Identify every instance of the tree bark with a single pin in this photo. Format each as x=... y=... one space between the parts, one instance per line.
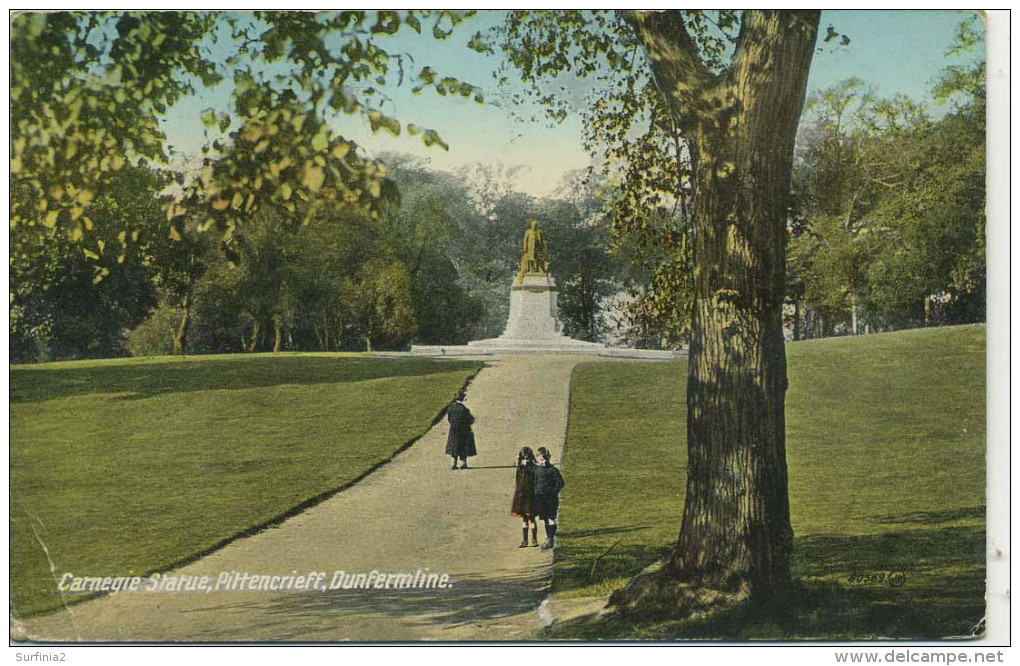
x=735 y=538
x=796 y=319
x=853 y=312
x=181 y=334
x=276 y=335
x=318 y=334
x=254 y=336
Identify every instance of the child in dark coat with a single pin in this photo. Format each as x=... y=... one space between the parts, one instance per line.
x=524 y=496
x=548 y=484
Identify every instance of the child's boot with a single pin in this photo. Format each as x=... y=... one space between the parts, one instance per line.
x=524 y=538
x=550 y=542
x=534 y=536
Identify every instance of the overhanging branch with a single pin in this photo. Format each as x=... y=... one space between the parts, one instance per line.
x=679 y=72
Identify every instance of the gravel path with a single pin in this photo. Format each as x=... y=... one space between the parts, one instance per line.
x=411 y=514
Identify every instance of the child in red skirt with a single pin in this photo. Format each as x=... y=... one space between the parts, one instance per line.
x=524 y=496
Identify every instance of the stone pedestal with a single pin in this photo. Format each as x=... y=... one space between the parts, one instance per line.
x=533 y=325
x=533 y=309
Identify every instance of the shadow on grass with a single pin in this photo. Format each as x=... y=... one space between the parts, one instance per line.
x=910 y=583
x=468 y=600
x=145 y=380
x=580 y=562
x=933 y=517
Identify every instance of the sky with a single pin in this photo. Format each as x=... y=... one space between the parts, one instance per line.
x=894 y=51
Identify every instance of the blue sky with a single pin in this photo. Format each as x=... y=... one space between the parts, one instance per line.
x=895 y=51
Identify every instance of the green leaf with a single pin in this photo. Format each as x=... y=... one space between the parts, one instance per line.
x=431 y=138
x=477 y=43
x=313 y=179
x=341 y=149
x=209 y=118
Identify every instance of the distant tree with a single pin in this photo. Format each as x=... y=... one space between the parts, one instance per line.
x=327 y=253
x=932 y=257
x=381 y=303
x=488 y=250
x=68 y=301
x=179 y=258
x=839 y=175
x=427 y=230
x=587 y=275
x=890 y=224
x=266 y=246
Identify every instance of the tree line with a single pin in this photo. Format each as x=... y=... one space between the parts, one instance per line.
x=886 y=232
x=434 y=267
x=345 y=251
x=889 y=225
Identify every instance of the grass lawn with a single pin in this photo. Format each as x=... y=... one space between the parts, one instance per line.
x=886 y=455
x=128 y=466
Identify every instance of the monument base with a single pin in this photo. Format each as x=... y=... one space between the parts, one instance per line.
x=534 y=328
x=533 y=325
x=505 y=347
x=533 y=309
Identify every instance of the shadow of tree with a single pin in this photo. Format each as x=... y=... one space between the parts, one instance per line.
x=148 y=379
x=602 y=531
x=921 y=582
x=933 y=517
x=581 y=563
x=503 y=594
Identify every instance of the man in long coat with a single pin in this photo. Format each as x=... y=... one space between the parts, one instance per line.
x=460 y=443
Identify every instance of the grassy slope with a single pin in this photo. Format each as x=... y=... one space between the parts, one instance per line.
x=129 y=466
x=886 y=454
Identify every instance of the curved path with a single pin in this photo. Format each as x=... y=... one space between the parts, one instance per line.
x=411 y=514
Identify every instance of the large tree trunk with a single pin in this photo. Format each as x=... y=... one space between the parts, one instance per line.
x=735 y=538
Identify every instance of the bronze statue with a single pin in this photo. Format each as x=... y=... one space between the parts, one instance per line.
x=534 y=259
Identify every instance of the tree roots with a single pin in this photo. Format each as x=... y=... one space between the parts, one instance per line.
x=658 y=592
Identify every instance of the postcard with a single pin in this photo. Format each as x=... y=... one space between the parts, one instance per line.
x=497 y=326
